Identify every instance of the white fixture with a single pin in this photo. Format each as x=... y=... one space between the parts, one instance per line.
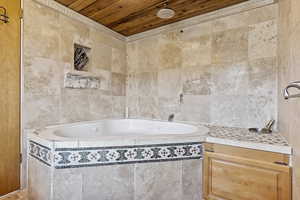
x=165 y=13
x=122 y=129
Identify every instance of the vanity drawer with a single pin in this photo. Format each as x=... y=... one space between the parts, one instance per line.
x=258 y=155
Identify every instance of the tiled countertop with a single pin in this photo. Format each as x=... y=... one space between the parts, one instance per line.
x=241 y=137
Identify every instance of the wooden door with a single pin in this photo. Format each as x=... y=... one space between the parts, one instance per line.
x=232 y=177
x=10 y=98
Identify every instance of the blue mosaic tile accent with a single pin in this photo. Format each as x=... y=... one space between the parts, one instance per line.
x=40 y=152
x=97 y=156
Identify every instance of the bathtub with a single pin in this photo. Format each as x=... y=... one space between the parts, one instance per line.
x=124 y=128
x=116 y=159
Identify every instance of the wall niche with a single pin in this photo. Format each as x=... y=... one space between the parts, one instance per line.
x=81 y=57
x=80 y=77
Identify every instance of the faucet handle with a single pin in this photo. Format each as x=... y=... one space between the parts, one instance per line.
x=268 y=127
x=270 y=124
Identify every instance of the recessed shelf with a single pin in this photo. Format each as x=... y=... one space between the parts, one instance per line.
x=77 y=81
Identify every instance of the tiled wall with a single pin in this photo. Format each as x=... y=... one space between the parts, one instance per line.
x=169 y=169
x=49 y=38
x=175 y=180
x=226 y=70
x=289 y=70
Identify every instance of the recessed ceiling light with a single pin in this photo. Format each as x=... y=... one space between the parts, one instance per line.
x=165 y=13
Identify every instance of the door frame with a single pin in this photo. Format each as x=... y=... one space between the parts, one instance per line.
x=23 y=143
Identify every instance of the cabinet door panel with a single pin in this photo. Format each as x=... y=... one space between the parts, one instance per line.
x=229 y=177
x=237 y=181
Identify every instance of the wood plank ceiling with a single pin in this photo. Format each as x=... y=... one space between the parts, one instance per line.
x=129 y=17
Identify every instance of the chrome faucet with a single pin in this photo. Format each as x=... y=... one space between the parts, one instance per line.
x=286 y=93
x=171 y=117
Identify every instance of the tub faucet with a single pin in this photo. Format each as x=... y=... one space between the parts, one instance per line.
x=171 y=117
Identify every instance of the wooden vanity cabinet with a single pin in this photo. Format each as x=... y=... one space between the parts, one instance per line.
x=233 y=173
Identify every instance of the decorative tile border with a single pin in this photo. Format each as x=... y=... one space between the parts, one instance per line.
x=97 y=156
x=40 y=152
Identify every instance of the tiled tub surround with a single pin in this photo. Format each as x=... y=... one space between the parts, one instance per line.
x=225 y=68
x=174 y=180
x=61 y=158
x=156 y=167
x=49 y=98
x=143 y=168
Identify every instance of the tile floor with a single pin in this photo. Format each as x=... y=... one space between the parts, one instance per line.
x=22 y=195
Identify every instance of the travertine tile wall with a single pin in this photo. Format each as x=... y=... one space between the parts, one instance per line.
x=174 y=180
x=289 y=70
x=226 y=70
x=40 y=175
x=49 y=37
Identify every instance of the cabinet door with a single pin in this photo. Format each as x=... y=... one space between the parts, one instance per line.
x=235 y=178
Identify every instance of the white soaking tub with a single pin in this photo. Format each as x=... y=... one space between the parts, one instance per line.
x=101 y=152
x=124 y=128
